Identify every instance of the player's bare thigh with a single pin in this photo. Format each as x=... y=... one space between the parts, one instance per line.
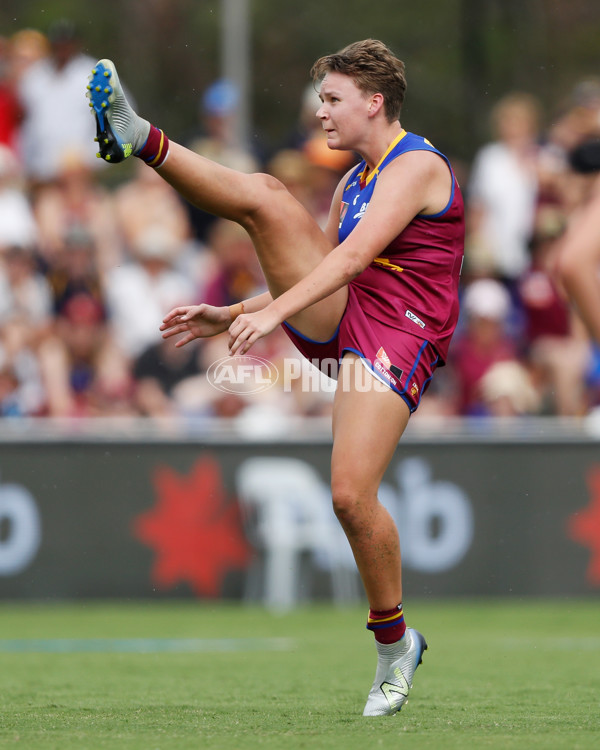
x=368 y=422
x=290 y=244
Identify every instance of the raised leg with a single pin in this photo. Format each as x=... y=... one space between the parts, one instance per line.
x=288 y=241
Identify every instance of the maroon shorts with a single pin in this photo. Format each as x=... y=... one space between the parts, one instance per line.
x=403 y=362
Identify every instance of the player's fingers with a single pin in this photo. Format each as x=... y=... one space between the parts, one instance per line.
x=193 y=312
x=175 y=313
x=185 y=340
x=236 y=341
x=244 y=341
x=246 y=346
x=173 y=329
x=168 y=325
x=236 y=327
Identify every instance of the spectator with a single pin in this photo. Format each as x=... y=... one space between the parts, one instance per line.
x=236 y=272
x=84 y=373
x=17 y=222
x=158 y=372
x=56 y=118
x=27 y=46
x=502 y=191
x=218 y=141
x=23 y=290
x=293 y=168
x=9 y=384
x=145 y=200
x=141 y=292
x=75 y=204
x=17 y=54
x=482 y=342
x=75 y=270
x=507 y=390
x=21 y=390
x=307 y=123
x=10 y=109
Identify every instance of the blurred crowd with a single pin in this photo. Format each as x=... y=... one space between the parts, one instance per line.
x=90 y=265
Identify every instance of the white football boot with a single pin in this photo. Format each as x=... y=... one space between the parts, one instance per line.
x=396 y=665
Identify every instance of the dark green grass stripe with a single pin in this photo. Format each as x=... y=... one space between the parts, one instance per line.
x=143 y=645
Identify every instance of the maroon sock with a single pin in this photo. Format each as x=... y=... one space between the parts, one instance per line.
x=156 y=149
x=387 y=625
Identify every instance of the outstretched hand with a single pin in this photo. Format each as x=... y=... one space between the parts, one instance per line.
x=196 y=321
x=249 y=327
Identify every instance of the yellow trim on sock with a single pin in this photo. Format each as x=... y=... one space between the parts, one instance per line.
x=396 y=616
x=160 y=148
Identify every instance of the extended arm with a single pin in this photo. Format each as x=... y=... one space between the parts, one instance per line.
x=203 y=321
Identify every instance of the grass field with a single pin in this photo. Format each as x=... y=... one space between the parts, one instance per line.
x=498 y=674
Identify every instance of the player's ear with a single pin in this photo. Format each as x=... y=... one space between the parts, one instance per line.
x=375 y=104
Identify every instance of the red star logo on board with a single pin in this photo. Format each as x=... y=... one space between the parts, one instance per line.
x=584 y=527
x=195 y=531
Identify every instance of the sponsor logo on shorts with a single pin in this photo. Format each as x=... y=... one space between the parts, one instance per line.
x=383 y=357
x=414 y=389
x=397 y=371
x=411 y=316
x=381 y=369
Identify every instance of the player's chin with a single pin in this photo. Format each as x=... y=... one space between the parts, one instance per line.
x=334 y=144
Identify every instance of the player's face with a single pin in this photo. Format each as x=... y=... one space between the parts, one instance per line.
x=343 y=112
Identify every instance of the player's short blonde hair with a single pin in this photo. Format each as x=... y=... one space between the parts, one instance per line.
x=374 y=69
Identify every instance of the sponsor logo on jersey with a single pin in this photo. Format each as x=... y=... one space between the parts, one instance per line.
x=411 y=316
x=385 y=263
x=361 y=211
x=343 y=212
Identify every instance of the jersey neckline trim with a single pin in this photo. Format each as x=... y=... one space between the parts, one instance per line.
x=372 y=174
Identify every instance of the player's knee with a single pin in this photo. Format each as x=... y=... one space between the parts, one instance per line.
x=266 y=189
x=270 y=183
x=266 y=195
x=349 y=504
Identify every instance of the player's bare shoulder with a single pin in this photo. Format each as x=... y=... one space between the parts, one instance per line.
x=424 y=172
x=419 y=178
